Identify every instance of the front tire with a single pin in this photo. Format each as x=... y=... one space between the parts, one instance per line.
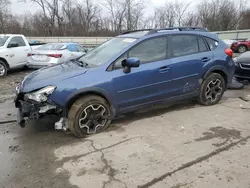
x=212 y=89
x=3 y=69
x=89 y=115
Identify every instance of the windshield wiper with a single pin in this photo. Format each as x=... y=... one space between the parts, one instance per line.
x=81 y=63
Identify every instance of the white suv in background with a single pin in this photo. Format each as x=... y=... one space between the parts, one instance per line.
x=13 y=52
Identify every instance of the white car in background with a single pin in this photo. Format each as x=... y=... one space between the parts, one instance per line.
x=54 y=53
x=13 y=52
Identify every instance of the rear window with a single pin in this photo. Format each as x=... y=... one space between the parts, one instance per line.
x=213 y=44
x=51 y=47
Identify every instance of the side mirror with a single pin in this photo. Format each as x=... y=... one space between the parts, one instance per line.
x=129 y=63
x=12 y=45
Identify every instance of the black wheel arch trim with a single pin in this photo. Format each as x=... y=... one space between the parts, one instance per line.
x=5 y=61
x=88 y=91
x=217 y=68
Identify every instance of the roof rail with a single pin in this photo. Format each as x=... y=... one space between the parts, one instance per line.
x=151 y=31
x=133 y=31
x=179 y=29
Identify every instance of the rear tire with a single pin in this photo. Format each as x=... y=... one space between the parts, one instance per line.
x=242 y=49
x=3 y=69
x=89 y=115
x=212 y=89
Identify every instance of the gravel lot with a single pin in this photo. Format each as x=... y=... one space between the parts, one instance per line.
x=183 y=146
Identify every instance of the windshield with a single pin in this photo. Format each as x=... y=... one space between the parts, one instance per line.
x=3 y=39
x=51 y=47
x=106 y=51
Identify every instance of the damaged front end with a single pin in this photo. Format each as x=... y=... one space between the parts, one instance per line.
x=35 y=105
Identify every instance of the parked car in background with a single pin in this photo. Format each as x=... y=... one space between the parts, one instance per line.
x=54 y=53
x=35 y=43
x=241 y=46
x=136 y=70
x=242 y=62
x=13 y=52
x=229 y=42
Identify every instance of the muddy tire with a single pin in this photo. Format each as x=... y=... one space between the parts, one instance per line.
x=3 y=69
x=212 y=90
x=89 y=115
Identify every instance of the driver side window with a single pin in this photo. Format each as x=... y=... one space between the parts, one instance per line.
x=148 y=51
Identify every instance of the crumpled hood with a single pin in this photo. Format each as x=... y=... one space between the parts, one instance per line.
x=51 y=76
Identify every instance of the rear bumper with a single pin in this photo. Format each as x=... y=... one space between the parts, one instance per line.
x=41 y=64
x=36 y=66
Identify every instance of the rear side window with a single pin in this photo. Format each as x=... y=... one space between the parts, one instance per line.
x=213 y=44
x=151 y=50
x=18 y=40
x=184 y=45
x=72 y=48
x=202 y=45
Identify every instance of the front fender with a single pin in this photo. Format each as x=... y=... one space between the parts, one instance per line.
x=93 y=90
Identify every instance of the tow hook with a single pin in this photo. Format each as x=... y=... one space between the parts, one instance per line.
x=62 y=124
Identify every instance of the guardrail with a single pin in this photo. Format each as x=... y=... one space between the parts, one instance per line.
x=234 y=35
x=94 y=41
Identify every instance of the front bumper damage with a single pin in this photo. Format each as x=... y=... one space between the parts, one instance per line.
x=32 y=110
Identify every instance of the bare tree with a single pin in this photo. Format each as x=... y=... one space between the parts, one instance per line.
x=117 y=11
x=191 y=19
x=245 y=23
x=221 y=14
x=180 y=9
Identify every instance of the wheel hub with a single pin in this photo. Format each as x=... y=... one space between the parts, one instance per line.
x=2 y=70
x=214 y=90
x=93 y=118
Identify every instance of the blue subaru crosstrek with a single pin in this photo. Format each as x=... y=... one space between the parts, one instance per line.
x=138 y=69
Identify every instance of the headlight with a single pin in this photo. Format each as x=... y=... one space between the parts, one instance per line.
x=40 y=95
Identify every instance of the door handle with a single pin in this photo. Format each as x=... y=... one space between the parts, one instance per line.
x=164 y=69
x=205 y=59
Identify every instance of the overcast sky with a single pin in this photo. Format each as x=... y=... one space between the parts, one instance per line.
x=19 y=8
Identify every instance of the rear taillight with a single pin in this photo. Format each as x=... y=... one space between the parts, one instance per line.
x=29 y=54
x=229 y=52
x=55 y=55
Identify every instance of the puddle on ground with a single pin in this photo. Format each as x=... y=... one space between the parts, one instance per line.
x=220 y=133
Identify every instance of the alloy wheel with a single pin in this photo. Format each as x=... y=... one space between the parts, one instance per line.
x=214 y=90
x=2 y=70
x=242 y=49
x=92 y=118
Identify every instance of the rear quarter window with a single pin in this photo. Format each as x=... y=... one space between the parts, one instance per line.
x=213 y=44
